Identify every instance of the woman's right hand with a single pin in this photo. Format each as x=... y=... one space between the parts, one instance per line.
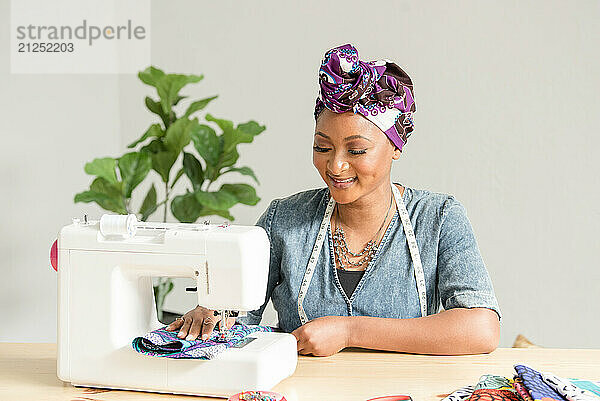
x=197 y=321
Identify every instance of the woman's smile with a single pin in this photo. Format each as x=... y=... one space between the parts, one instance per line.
x=341 y=183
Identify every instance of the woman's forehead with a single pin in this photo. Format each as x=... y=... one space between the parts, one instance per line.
x=341 y=125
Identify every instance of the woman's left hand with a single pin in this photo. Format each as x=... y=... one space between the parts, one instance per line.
x=323 y=336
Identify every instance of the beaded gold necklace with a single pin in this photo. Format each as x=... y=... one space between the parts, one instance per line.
x=340 y=246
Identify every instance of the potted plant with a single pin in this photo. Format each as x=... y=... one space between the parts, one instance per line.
x=160 y=147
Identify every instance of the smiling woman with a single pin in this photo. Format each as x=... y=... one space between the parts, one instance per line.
x=365 y=262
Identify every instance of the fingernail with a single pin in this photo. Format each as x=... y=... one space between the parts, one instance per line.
x=190 y=337
x=204 y=336
x=180 y=335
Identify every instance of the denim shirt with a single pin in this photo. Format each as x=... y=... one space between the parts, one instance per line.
x=455 y=274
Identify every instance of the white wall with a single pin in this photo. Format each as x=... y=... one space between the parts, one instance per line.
x=50 y=126
x=507 y=98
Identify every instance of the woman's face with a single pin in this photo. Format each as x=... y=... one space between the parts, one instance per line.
x=352 y=155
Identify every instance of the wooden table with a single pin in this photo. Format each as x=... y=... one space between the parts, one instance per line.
x=28 y=372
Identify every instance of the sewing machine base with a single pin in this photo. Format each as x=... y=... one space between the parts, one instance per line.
x=259 y=365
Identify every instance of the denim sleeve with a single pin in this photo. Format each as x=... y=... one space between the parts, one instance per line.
x=463 y=280
x=266 y=221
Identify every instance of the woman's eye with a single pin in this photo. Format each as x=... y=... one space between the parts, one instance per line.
x=358 y=152
x=320 y=149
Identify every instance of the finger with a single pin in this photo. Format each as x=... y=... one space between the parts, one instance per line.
x=185 y=328
x=195 y=330
x=208 y=324
x=175 y=324
x=230 y=322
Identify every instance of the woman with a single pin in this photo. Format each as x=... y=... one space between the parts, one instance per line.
x=363 y=262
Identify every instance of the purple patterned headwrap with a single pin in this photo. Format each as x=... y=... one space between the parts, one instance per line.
x=379 y=90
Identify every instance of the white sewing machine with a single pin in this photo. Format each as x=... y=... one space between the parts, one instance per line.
x=105 y=300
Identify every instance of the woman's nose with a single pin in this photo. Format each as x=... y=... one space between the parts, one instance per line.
x=337 y=165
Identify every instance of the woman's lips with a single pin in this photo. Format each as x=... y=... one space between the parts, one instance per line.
x=341 y=184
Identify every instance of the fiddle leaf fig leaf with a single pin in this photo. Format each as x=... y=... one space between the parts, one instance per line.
x=198 y=105
x=207 y=144
x=244 y=193
x=134 y=167
x=149 y=205
x=244 y=171
x=251 y=127
x=225 y=125
x=162 y=158
x=153 y=131
x=211 y=212
x=104 y=167
x=168 y=87
x=151 y=76
x=186 y=208
x=106 y=194
x=228 y=158
x=220 y=200
x=156 y=108
x=179 y=134
x=178 y=99
x=177 y=177
x=193 y=169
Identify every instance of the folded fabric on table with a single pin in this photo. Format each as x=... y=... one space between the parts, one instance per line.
x=535 y=384
x=567 y=389
x=163 y=343
x=593 y=387
x=521 y=390
x=492 y=387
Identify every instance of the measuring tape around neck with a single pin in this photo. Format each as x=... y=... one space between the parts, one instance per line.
x=412 y=246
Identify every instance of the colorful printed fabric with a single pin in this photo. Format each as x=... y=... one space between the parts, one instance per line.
x=492 y=387
x=521 y=390
x=163 y=343
x=535 y=384
x=379 y=90
x=567 y=389
x=462 y=393
x=593 y=387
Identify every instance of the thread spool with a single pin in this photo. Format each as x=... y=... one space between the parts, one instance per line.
x=118 y=224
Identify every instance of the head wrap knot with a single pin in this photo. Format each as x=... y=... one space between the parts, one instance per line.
x=379 y=90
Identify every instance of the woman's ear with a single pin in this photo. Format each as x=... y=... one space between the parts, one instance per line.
x=396 y=154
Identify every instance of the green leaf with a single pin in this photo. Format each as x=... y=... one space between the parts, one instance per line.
x=177 y=177
x=198 y=105
x=154 y=130
x=220 y=200
x=210 y=212
x=179 y=134
x=151 y=76
x=228 y=158
x=186 y=208
x=149 y=205
x=243 y=170
x=251 y=127
x=105 y=194
x=207 y=144
x=193 y=169
x=244 y=193
x=162 y=163
x=156 y=108
x=168 y=88
x=134 y=167
x=104 y=168
x=225 y=125
x=162 y=158
x=178 y=99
